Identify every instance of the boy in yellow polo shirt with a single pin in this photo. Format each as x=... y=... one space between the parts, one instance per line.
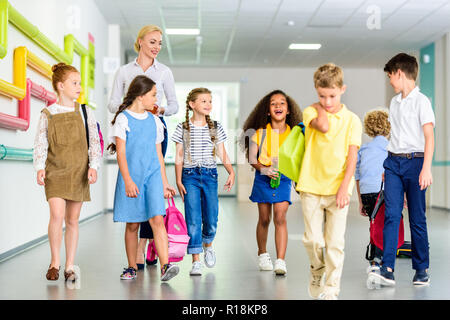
x=332 y=138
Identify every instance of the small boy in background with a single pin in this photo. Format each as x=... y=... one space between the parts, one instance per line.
x=407 y=168
x=332 y=138
x=369 y=168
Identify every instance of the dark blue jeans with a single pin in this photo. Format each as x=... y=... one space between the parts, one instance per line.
x=402 y=176
x=201 y=206
x=145 y=230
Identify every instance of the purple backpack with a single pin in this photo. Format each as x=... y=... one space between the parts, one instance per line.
x=176 y=233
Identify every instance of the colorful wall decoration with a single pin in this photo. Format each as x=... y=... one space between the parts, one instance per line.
x=23 y=58
x=22 y=88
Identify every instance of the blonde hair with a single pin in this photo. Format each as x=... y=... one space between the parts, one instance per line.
x=192 y=96
x=146 y=29
x=328 y=76
x=376 y=123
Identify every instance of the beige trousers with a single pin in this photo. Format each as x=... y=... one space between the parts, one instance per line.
x=324 y=237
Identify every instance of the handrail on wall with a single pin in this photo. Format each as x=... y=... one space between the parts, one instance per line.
x=10 y=153
x=22 y=121
x=22 y=58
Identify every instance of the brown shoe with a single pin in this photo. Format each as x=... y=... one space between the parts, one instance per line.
x=70 y=275
x=53 y=273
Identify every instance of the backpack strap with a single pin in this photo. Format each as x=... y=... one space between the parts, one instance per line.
x=47 y=113
x=261 y=143
x=173 y=202
x=83 y=108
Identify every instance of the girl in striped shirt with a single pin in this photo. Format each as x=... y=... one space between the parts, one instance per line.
x=198 y=140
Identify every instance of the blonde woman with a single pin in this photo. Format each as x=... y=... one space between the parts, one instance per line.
x=148 y=44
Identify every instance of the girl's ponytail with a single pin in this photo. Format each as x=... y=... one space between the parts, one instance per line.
x=138 y=87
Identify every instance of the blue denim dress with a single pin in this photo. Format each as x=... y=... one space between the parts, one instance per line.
x=145 y=171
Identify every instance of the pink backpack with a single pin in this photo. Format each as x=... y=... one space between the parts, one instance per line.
x=176 y=233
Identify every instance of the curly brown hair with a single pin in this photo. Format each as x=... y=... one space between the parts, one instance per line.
x=258 y=118
x=376 y=123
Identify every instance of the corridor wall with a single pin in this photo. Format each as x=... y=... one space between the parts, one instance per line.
x=440 y=190
x=24 y=211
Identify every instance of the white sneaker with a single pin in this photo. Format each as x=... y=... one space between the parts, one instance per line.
x=210 y=256
x=280 y=267
x=264 y=262
x=196 y=269
x=316 y=283
x=373 y=268
x=327 y=296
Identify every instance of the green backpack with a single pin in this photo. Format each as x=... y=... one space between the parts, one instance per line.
x=291 y=153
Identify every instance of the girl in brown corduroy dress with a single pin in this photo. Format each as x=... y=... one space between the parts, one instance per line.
x=65 y=165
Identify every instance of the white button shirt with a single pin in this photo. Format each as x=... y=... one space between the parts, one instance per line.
x=407 y=117
x=158 y=72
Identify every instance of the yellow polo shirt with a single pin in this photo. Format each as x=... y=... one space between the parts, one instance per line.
x=325 y=158
x=271 y=144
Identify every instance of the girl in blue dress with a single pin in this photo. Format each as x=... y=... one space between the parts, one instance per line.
x=141 y=181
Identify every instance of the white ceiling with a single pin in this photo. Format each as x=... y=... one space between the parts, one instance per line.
x=255 y=33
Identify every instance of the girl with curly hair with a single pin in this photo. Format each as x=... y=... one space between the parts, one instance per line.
x=369 y=168
x=267 y=126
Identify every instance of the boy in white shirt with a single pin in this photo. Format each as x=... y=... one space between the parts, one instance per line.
x=407 y=168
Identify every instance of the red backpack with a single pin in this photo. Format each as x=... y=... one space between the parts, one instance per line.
x=377 y=226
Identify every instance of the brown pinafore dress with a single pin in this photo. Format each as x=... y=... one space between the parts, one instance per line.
x=66 y=168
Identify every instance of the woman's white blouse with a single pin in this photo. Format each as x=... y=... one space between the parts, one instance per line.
x=41 y=139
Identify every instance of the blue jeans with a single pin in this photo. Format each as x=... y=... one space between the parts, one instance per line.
x=201 y=206
x=402 y=175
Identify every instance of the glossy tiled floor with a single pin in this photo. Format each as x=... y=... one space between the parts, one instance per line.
x=101 y=257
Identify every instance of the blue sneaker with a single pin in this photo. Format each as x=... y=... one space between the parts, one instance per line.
x=383 y=277
x=421 y=278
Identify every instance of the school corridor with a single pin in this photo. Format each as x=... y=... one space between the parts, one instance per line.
x=233 y=54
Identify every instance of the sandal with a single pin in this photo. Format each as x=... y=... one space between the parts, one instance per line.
x=70 y=275
x=53 y=273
